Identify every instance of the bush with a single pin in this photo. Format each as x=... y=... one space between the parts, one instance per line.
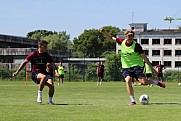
x=172 y=75
x=7 y=74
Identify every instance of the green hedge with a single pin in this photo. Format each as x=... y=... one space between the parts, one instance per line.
x=6 y=74
x=88 y=75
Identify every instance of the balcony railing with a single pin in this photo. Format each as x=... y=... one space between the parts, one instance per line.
x=26 y=51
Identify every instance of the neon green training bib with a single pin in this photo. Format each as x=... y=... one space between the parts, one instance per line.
x=130 y=58
x=61 y=70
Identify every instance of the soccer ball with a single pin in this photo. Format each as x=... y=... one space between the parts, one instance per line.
x=179 y=84
x=144 y=99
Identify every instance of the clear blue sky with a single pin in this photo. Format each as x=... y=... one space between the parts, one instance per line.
x=18 y=17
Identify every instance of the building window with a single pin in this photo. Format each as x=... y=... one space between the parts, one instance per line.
x=145 y=41
x=146 y=52
x=167 y=52
x=177 y=52
x=177 y=41
x=155 y=52
x=135 y=40
x=167 y=63
x=154 y=63
x=167 y=41
x=177 y=64
x=155 y=41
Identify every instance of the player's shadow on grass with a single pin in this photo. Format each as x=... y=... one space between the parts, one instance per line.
x=162 y=103
x=73 y=104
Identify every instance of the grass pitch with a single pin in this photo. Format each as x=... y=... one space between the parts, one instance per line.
x=85 y=101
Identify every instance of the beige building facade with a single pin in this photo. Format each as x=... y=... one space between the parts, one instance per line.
x=159 y=44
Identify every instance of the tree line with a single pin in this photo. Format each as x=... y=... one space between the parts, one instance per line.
x=91 y=43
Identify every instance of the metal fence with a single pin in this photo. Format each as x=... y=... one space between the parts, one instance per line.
x=72 y=73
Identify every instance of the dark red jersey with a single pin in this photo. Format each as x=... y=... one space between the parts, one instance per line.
x=160 y=68
x=39 y=61
x=100 y=68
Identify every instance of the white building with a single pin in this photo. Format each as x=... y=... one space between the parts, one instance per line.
x=159 y=44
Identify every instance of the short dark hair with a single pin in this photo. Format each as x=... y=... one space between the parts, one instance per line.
x=42 y=42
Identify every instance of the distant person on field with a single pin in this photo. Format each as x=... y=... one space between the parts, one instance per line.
x=148 y=73
x=61 y=71
x=135 y=82
x=100 y=73
x=132 y=59
x=39 y=75
x=160 y=68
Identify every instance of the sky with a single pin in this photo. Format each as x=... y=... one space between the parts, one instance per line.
x=18 y=17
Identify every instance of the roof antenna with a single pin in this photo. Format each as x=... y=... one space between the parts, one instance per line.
x=132 y=13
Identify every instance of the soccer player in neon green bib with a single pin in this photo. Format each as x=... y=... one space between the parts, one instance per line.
x=132 y=59
x=61 y=72
x=148 y=73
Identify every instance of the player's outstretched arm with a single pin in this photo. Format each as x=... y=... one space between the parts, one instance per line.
x=20 y=67
x=106 y=34
x=149 y=63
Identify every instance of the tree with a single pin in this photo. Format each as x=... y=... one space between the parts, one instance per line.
x=91 y=74
x=110 y=45
x=92 y=43
x=39 y=34
x=57 y=40
x=113 y=66
x=88 y=43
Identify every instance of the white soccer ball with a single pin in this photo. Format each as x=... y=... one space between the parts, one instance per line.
x=179 y=84
x=144 y=99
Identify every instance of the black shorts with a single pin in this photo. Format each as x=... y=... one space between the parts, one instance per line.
x=148 y=75
x=101 y=75
x=160 y=74
x=34 y=77
x=51 y=74
x=62 y=76
x=136 y=72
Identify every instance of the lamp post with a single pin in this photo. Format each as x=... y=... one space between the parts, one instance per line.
x=84 y=67
x=69 y=63
x=11 y=59
x=178 y=66
x=70 y=50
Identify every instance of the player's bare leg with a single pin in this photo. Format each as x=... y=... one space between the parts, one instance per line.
x=42 y=78
x=62 y=81
x=130 y=90
x=98 y=80
x=59 y=81
x=51 y=91
x=145 y=81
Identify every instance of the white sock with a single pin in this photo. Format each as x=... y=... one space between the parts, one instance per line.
x=39 y=93
x=155 y=82
x=49 y=99
x=132 y=99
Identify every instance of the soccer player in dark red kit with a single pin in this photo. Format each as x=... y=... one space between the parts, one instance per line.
x=160 y=68
x=100 y=73
x=39 y=75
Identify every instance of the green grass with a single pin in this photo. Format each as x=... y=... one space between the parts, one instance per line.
x=85 y=101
